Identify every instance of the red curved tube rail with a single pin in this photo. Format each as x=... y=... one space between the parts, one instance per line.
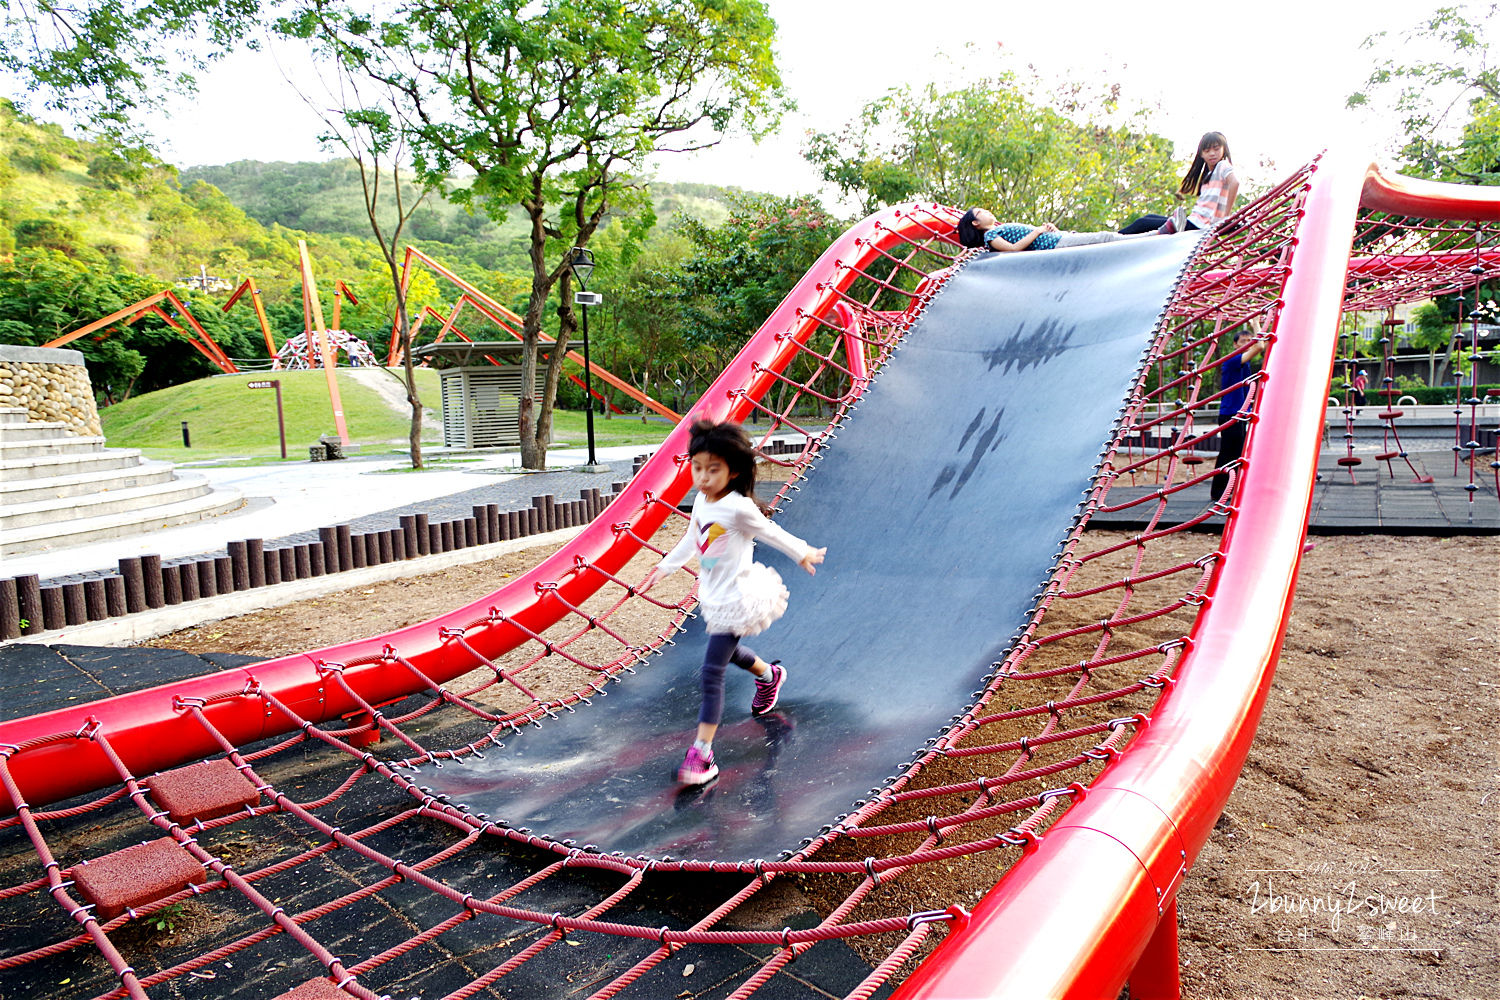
x=1075 y=917
x=151 y=731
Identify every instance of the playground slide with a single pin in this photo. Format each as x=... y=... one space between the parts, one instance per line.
x=941 y=520
x=1089 y=903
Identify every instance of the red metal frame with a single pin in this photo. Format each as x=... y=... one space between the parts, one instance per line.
x=1092 y=904
x=150 y=730
x=508 y=321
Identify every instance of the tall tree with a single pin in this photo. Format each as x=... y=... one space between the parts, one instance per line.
x=364 y=126
x=1070 y=157
x=554 y=105
x=1449 y=104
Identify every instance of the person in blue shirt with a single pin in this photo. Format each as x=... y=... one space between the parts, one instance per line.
x=1234 y=374
x=980 y=228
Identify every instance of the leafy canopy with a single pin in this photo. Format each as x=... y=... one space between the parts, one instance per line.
x=998 y=142
x=552 y=105
x=1431 y=95
x=103 y=61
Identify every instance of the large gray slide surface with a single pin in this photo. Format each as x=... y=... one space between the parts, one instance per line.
x=942 y=503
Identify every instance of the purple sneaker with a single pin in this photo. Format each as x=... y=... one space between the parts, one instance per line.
x=768 y=690
x=698 y=768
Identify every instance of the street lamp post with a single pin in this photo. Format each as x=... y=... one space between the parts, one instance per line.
x=582 y=264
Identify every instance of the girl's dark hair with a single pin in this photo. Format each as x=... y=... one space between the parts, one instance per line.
x=1192 y=181
x=969 y=234
x=732 y=444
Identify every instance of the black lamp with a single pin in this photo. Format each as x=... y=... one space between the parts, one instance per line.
x=581 y=262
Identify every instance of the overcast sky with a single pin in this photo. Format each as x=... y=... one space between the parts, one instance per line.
x=1271 y=75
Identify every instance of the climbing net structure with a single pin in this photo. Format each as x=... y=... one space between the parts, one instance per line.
x=301 y=352
x=265 y=830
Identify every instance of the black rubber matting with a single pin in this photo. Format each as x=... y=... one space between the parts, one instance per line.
x=942 y=504
x=36 y=678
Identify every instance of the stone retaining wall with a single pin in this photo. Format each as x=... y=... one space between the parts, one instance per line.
x=52 y=385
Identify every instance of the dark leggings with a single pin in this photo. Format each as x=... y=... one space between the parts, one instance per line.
x=1231 y=446
x=723 y=649
x=1148 y=224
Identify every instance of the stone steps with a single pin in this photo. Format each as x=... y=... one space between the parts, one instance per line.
x=102 y=503
x=49 y=466
x=37 y=430
x=10 y=451
x=61 y=534
x=79 y=484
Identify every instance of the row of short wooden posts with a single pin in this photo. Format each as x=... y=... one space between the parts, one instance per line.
x=146 y=582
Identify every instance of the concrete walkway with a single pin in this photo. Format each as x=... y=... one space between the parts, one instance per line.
x=291 y=501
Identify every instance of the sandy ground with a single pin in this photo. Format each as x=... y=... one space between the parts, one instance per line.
x=1356 y=857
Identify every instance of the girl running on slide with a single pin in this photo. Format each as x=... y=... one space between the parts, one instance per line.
x=737 y=596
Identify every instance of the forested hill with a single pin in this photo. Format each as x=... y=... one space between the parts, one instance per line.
x=327 y=198
x=89 y=227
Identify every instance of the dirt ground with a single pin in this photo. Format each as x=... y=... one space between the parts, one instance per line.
x=1356 y=858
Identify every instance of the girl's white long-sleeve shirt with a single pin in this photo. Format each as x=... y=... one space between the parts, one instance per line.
x=723 y=532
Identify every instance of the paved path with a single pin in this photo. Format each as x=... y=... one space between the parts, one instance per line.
x=288 y=503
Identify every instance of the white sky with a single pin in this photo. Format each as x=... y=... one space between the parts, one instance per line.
x=1272 y=75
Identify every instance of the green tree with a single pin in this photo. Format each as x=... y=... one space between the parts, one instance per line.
x=104 y=61
x=742 y=269
x=1431 y=94
x=553 y=105
x=44 y=294
x=997 y=142
x=641 y=336
x=1442 y=325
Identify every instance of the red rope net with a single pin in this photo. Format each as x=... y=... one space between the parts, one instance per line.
x=338 y=869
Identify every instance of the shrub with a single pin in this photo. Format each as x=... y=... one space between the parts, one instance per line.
x=38 y=161
x=46 y=233
x=1433 y=395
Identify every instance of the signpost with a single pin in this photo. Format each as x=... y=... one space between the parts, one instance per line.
x=274 y=383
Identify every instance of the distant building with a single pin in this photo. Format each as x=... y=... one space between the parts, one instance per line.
x=205 y=282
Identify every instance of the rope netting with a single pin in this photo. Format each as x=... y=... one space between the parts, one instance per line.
x=1401 y=259
x=326 y=867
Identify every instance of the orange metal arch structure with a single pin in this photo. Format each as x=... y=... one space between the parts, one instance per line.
x=151 y=305
x=508 y=321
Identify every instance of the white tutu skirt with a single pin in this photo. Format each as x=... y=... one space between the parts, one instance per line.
x=762 y=599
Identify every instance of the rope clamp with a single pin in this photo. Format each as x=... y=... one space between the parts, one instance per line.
x=1102 y=752
x=180 y=703
x=928 y=917
x=89 y=729
x=1018 y=837
x=449 y=632
x=325 y=666
x=1138 y=720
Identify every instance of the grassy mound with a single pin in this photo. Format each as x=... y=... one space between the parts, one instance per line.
x=225 y=418
x=228 y=420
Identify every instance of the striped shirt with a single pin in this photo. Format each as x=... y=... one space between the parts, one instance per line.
x=1213 y=198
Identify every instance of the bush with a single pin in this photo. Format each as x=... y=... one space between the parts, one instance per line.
x=46 y=234
x=1434 y=395
x=38 y=161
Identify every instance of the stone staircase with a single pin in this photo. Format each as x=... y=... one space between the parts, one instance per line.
x=58 y=489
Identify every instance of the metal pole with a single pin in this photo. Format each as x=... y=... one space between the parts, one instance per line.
x=187 y=442
x=588 y=386
x=280 y=418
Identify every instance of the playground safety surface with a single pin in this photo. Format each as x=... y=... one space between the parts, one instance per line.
x=1373 y=502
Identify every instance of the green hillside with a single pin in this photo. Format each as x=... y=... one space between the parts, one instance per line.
x=327 y=198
